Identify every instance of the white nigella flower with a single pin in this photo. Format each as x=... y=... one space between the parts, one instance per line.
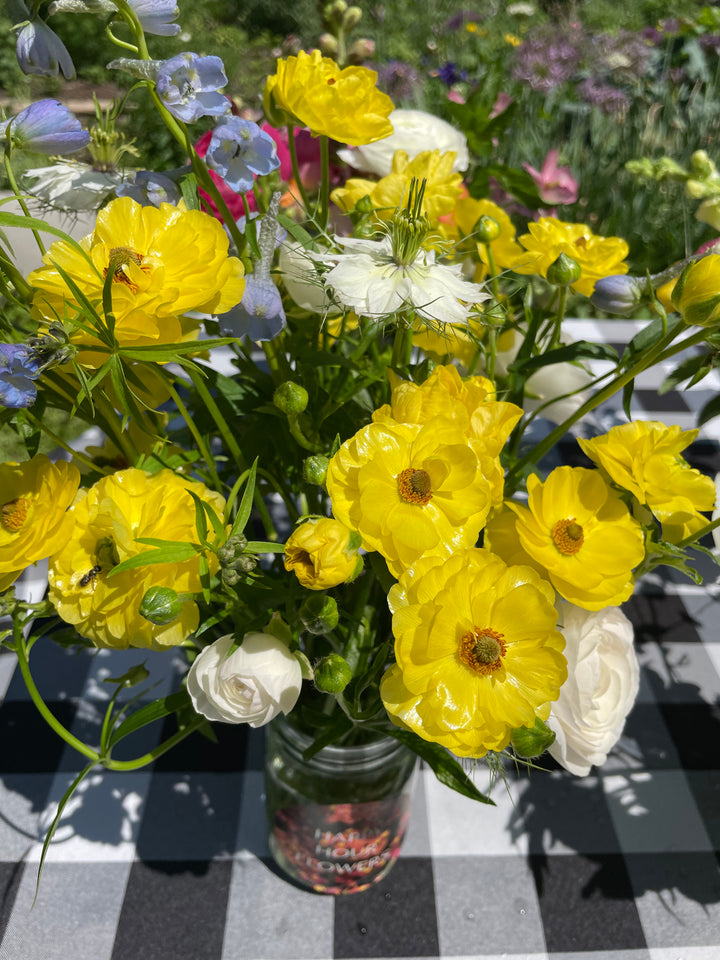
x=377 y=278
x=69 y=185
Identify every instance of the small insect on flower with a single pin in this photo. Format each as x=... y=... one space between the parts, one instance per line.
x=90 y=576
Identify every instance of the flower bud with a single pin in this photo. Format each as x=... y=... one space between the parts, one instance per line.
x=315 y=469
x=362 y=50
x=619 y=294
x=486 y=229
x=364 y=205
x=328 y=44
x=702 y=166
x=332 y=674
x=232 y=549
x=319 y=614
x=160 y=605
x=291 y=398
x=323 y=553
x=353 y=16
x=564 y=271
x=230 y=577
x=530 y=742
x=697 y=292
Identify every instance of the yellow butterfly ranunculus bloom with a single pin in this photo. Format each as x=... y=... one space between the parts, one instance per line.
x=477 y=650
x=410 y=490
x=442 y=186
x=342 y=104
x=644 y=458
x=34 y=498
x=165 y=261
x=505 y=249
x=582 y=533
x=548 y=238
x=470 y=404
x=106 y=524
x=696 y=295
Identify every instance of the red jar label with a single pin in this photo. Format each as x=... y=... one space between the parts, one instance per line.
x=341 y=847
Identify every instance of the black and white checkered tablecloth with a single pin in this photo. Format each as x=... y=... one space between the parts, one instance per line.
x=172 y=863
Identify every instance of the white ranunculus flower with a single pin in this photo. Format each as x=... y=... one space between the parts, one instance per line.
x=367 y=279
x=603 y=679
x=413 y=132
x=557 y=380
x=253 y=685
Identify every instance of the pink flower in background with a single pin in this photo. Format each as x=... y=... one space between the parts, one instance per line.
x=555 y=184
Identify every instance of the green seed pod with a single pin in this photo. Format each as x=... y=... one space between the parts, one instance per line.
x=290 y=397
x=319 y=614
x=564 y=271
x=332 y=674
x=530 y=742
x=160 y=605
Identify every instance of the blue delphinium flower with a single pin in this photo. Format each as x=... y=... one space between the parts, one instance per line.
x=188 y=86
x=239 y=150
x=46 y=126
x=40 y=50
x=156 y=16
x=260 y=314
x=19 y=366
x=149 y=189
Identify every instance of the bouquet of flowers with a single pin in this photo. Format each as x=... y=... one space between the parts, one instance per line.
x=329 y=403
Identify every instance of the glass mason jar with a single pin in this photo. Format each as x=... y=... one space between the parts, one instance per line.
x=336 y=821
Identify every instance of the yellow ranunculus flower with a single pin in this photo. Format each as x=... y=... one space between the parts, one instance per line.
x=342 y=104
x=477 y=651
x=107 y=523
x=548 y=238
x=582 y=533
x=505 y=249
x=34 y=498
x=696 y=295
x=470 y=404
x=644 y=458
x=442 y=186
x=323 y=553
x=165 y=261
x=410 y=490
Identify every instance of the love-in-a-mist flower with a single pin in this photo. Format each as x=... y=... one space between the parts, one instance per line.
x=19 y=367
x=596 y=256
x=644 y=457
x=556 y=185
x=46 y=126
x=477 y=650
x=71 y=185
x=579 y=530
x=106 y=525
x=165 y=261
x=342 y=104
x=189 y=86
x=410 y=490
x=239 y=151
x=41 y=51
x=34 y=498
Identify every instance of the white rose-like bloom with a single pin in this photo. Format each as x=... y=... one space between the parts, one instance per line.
x=253 y=685
x=557 y=380
x=602 y=683
x=367 y=279
x=413 y=132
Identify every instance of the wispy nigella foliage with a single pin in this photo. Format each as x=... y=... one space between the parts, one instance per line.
x=260 y=315
x=40 y=50
x=546 y=61
x=149 y=189
x=189 y=86
x=46 y=126
x=19 y=366
x=239 y=150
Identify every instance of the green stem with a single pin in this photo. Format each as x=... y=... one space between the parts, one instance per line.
x=196 y=435
x=699 y=534
x=402 y=345
x=57 y=439
x=19 y=197
x=166 y=745
x=13 y=274
x=324 y=201
x=220 y=421
x=296 y=168
x=559 y=317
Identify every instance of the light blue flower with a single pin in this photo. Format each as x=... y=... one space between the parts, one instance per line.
x=18 y=368
x=40 y=50
x=619 y=294
x=239 y=150
x=149 y=189
x=259 y=315
x=46 y=126
x=188 y=86
x=156 y=16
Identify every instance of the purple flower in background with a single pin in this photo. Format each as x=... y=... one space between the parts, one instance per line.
x=156 y=16
x=239 y=150
x=18 y=368
x=40 y=50
x=601 y=95
x=626 y=53
x=188 y=86
x=449 y=74
x=546 y=61
x=398 y=80
x=259 y=315
x=149 y=189
x=46 y=127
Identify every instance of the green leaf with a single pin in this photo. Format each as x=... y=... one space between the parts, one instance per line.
x=443 y=765
x=189 y=191
x=163 y=352
x=261 y=546
x=569 y=353
x=149 y=714
x=296 y=231
x=131 y=677
x=175 y=554
x=627 y=398
x=693 y=369
x=709 y=411
x=243 y=514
